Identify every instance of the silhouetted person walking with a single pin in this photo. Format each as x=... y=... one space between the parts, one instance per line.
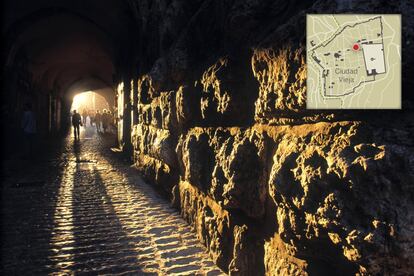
x=91 y=118
x=29 y=129
x=105 y=120
x=98 y=118
x=76 y=122
x=84 y=115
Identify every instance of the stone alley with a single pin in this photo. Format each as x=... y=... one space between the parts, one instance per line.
x=83 y=211
x=215 y=137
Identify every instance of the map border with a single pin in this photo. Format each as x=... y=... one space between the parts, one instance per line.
x=372 y=16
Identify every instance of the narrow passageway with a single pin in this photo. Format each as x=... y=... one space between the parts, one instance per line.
x=82 y=210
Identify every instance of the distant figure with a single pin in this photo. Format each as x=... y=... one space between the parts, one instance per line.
x=88 y=121
x=76 y=122
x=29 y=129
x=111 y=121
x=84 y=115
x=98 y=118
x=105 y=120
x=92 y=118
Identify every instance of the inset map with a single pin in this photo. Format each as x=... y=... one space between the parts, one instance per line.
x=354 y=61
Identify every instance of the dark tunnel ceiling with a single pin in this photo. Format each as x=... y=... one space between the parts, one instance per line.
x=69 y=44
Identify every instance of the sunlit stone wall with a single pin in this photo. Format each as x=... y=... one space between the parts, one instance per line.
x=269 y=187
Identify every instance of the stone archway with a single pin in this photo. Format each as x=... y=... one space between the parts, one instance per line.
x=51 y=51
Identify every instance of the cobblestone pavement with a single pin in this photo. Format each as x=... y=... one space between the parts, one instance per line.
x=82 y=211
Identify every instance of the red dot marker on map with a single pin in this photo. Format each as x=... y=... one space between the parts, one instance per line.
x=355 y=47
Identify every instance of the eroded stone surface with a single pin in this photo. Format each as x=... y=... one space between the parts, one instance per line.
x=309 y=192
x=282 y=81
x=228 y=165
x=333 y=189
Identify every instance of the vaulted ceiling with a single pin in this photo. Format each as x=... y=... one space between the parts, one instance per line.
x=71 y=46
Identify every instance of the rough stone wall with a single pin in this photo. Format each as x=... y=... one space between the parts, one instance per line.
x=269 y=187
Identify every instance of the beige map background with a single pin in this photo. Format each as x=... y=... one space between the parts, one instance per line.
x=382 y=93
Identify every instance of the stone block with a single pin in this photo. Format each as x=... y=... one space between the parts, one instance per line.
x=278 y=261
x=229 y=165
x=246 y=178
x=225 y=90
x=157 y=143
x=187 y=111
x=156 y=172
x=335 y=190
x=282 y=82
x=247 y=252
x=197 y=159
x=210 y=222
x=156 y=113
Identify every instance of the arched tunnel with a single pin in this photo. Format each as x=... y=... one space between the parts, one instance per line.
x=218 y=145
x=54 y=52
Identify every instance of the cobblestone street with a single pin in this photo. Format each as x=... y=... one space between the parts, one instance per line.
x=81 y=210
